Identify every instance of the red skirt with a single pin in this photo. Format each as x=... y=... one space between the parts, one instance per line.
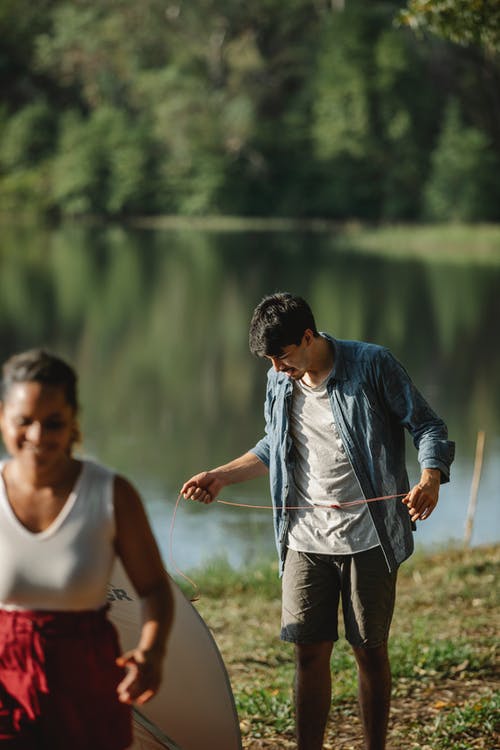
x=58 y=682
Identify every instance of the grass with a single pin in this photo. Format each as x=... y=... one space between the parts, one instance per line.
x=432 y=242
x=467 y=726
x=443 y=652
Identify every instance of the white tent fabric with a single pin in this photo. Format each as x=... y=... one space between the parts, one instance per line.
x=147 y=736
x=194 y=708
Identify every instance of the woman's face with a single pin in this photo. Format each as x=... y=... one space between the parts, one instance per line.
x=38 y=425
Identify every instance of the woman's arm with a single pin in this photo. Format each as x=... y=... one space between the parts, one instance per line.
x=139 y=553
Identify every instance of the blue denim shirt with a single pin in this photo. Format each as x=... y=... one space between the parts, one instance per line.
x=373 y=401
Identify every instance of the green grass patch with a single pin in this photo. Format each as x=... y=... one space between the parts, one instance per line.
x=266 y=709
x=471 y=725
x=427 y=659
x=443 y=649
x=218 y=578
x=434 y=242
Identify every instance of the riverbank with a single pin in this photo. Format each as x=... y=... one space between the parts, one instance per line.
x=449 y=241
x=443 y=652
x=431 y=242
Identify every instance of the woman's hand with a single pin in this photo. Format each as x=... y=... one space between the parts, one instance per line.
x=143 y=676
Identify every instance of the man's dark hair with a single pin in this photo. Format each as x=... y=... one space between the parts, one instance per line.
x=40 y=366
x=279 y=320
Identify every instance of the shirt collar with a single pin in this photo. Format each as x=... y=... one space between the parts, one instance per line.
x=339 y=371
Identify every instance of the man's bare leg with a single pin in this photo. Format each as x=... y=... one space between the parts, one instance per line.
x=313 y=689
x=374 y=693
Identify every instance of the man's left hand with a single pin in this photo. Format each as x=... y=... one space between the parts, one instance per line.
x=423 y=497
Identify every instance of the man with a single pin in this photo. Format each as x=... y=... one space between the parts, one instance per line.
x=335 y=418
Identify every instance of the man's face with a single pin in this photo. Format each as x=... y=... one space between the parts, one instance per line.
x=294 y=359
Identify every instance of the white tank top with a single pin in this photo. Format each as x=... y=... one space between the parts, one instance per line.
x=66 y=566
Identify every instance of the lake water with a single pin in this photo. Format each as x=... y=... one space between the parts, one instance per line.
x=156 y=323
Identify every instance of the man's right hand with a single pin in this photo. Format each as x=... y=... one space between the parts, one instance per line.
x=203 y=487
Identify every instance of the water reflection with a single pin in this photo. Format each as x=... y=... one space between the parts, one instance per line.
x=156 y=323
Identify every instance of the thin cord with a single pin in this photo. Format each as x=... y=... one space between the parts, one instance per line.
x=173 y=565
x=348 y=504
x=313 y=506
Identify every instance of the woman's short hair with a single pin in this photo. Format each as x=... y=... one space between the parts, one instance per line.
x=40 y=366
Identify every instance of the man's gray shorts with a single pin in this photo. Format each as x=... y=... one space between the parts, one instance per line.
x=313 y=586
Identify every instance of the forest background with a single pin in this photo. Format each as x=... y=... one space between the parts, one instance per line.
x=377 y=111
x=304 y=108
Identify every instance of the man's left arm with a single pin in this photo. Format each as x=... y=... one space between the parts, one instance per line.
x=430 y=436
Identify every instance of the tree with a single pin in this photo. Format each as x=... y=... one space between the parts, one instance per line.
x=463 y=184
x=467 y=22
x=263 y=108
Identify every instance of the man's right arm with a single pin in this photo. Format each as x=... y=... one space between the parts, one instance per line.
x=205 y=487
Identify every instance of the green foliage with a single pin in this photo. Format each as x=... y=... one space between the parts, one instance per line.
x=475 y=22
x=129 y=155
x=220 y=107
x=78 y=168
x=463 y=183
x=102 y=164
x=341 y=107
x=27 y=137
x=25 y=191
x=21 y=22
x=372 y=119
x=87 y=46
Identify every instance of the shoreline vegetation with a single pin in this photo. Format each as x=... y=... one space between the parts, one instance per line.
x=439 y=242
x=443 y=649
x=480 y=242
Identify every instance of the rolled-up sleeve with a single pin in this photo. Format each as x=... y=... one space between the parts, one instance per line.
x=262 y=448
x=436 y=453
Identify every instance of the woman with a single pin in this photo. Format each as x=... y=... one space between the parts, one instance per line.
x=63 y=683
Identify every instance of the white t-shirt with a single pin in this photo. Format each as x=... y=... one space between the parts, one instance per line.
x=66 y=566
x=324 y=476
